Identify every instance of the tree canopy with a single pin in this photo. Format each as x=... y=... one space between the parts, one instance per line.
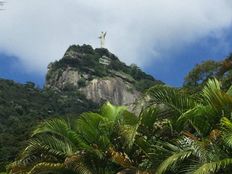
x=177 y=133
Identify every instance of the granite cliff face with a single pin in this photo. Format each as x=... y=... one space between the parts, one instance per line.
x=113 y=89
x=98 y=75
x=61 y=79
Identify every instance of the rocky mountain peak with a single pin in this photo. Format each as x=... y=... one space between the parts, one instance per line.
x=99 y=75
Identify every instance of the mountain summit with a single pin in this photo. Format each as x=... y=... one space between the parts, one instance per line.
x=99 y=75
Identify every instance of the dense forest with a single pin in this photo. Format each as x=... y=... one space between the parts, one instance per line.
x=179 y=130
x=22 y=106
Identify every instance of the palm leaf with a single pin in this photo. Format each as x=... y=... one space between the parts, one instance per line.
x=127 y=128
x=148 y=118
x=229 y=91
x=77 y=164
x=213 y=95
x=227 y=131
x=226 y=123
x=201 y=118
x=93 y=129
x=171 y=97
x=47 y=167
x=213 y=167
x=49 y=144
x=172 y=160
x=89 y=126
x=120 y=158
x=57 y=127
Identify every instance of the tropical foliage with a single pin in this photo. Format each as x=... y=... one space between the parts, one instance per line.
x=176 y=133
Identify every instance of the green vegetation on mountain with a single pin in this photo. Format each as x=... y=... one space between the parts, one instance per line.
x=193 y=136
x=24 y=106
x=85 y=59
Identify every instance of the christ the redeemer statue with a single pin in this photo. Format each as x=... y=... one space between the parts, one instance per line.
x=102 y=38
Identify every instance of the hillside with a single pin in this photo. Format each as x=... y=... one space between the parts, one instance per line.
x=22 y=106
x=99 y=75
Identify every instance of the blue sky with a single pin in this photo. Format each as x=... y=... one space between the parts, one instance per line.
x=164 y=37
x=181 y=62
x=12 y=69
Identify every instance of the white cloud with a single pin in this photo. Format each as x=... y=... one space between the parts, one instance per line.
x=139 y=31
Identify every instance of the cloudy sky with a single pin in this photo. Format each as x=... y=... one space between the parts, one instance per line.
x=164 y=37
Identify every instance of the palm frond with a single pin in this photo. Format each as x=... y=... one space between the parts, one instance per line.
x=172 y=160
x=229 y=91
x=127 y=128
x=57 y=127
x=213 y=167
x=148 y=118
x=226 y=123
x=171 y=97
x=93 y=129
x=93 y=133
x=202 y=118
x=215 y=97
x=41 y=149
x=120 y=158
x=227 y=131
x=89 y=126
x=48 y=167
x=18 y=168
x=49 y=144
x=77 y=164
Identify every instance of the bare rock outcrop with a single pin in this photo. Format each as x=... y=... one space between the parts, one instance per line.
x=62 y=79
x=113 y=89
x=99 y=75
